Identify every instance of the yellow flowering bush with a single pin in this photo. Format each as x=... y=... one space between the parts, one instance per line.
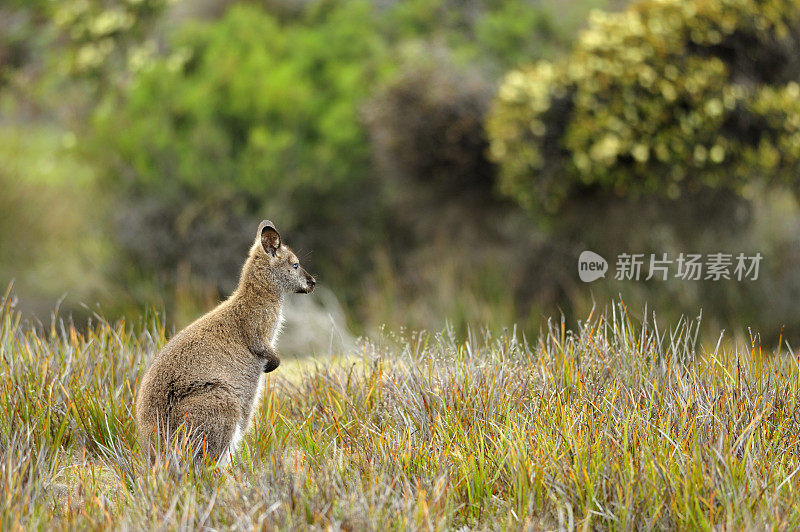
x=105 y=38
x=664 y=97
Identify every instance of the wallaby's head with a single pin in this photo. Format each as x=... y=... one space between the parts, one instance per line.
x=274 y=266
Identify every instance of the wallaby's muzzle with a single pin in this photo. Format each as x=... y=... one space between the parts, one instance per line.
x=310 y=284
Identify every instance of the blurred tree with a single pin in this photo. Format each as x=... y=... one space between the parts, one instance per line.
x=666 y=97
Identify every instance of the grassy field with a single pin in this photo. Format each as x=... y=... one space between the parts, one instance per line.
x=616 y=424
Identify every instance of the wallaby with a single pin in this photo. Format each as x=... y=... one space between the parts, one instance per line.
x=206 y=378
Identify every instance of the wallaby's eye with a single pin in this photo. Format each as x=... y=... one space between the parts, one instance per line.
x=296 y=265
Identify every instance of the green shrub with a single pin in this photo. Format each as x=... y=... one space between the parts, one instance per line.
x=249 y=103
x=665 y=97
x=247 y=117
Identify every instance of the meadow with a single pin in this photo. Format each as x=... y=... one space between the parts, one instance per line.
x=614 y=424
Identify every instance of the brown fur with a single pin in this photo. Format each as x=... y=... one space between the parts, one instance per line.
x=207 y=376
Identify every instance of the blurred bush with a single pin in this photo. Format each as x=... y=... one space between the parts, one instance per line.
x=441 y=257
x=666 y=97
x=105 y=40
x=670 y=126
x=57 y=57
x=426 y=126
x=262 y=113
x=246 y=117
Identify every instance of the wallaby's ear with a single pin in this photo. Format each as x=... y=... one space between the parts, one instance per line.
x=270 y=238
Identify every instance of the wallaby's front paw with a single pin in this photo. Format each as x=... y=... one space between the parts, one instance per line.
x=266 y=354
x=272 y=363
x=271 y=358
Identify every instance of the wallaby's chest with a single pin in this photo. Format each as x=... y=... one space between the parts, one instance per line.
x=276 y=327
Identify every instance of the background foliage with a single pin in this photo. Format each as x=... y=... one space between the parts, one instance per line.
x=682 y=116
x=431 y=161
x=664 y=97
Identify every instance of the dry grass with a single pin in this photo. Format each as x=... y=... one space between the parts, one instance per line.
x=616 y=425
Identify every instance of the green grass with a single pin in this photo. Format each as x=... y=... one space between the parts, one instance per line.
x=614 y=425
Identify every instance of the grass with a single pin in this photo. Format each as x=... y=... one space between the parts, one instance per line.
x=615 y=425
